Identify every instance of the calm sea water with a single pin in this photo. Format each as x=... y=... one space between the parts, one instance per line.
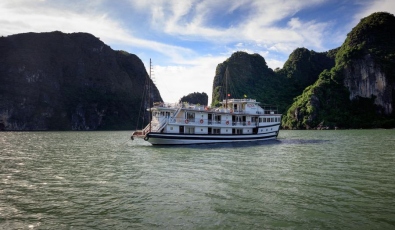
x=103 y=180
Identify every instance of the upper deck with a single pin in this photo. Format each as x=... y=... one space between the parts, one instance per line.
x=231 y=106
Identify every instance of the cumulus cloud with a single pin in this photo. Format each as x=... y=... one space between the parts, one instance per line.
x=375 y=6
x=195 y=75
x=36 y=16
x=192 y=18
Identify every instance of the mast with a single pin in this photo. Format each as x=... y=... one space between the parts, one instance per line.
x=149 y=95
x=226 y=87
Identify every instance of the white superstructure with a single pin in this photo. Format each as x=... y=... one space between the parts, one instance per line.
x=236 y=120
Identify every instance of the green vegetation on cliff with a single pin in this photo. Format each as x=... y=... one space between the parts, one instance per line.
x=244 y=74
x=325 y=103
x=249 y=75
x=304 y=66
x=328 y=103
x=373 y=36
x=196 y=98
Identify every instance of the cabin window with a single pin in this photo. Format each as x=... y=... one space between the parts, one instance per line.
x=237 y=119
x=190 y=116
x=209 y=118
x=237 y=131
x=217 y=119
x=171 y=128
x=190 y=130
x=216 y=131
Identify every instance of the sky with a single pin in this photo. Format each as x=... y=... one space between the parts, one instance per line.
x=187 y=39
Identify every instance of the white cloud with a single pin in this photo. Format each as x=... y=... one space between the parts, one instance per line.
x=274 y=63
x=195 y=75
x=294 y=23
x=24 y=16
x=191 y=20
x=375 y=6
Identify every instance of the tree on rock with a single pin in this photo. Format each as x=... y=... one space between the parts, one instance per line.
x=196 y=98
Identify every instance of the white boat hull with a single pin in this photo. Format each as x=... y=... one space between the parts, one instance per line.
x=185 y=139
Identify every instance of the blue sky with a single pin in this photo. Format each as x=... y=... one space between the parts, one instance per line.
x=186 y=39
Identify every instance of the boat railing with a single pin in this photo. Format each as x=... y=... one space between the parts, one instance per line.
x=269 y=109
x=210 y=122
x=239 y=100
x=162 y=124
x=155 y=126
x=166 y=105
x=197 y=107
x=176 y=113
x=146 y=130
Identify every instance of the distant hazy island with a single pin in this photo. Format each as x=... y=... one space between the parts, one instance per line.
x=58 y=81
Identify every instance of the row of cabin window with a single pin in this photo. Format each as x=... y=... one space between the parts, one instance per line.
x=162 y=114
x=269 y=119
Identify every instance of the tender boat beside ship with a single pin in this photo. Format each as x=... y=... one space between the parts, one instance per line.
x=236 y=120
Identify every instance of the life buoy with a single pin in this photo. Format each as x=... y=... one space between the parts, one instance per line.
x=146 y=138
x=227 y=122
x=201 y=121
x=186 y=121
x=249 y=122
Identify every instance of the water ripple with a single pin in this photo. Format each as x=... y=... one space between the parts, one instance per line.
x=100 y=180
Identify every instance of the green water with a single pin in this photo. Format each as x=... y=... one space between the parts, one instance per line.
x=101 y=180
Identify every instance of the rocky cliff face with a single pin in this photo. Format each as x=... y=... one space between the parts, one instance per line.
x=368 y=59
x=57 y=81
x=365 y=78
x=359 y=92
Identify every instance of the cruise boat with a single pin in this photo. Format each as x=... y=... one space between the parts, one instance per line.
x=237 y=120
